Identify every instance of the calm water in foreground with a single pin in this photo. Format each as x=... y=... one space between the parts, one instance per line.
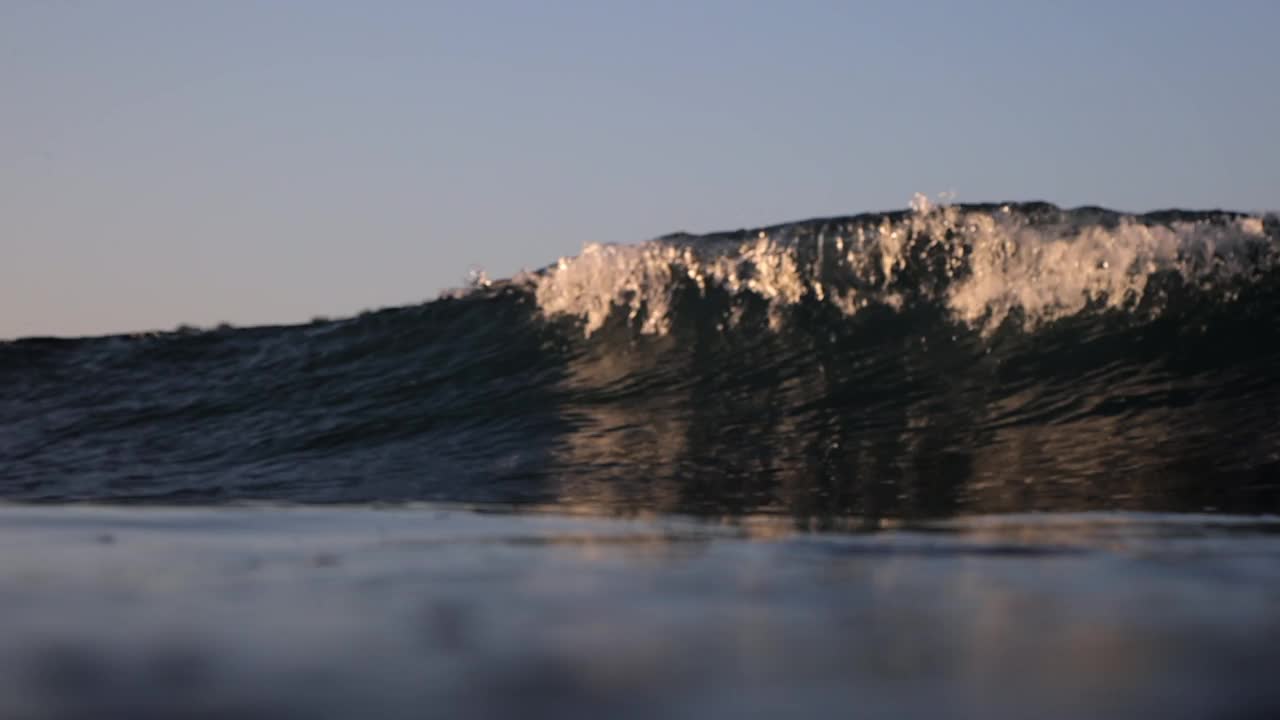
x=432 y=611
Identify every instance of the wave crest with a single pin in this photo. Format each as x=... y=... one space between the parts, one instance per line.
x=1028 y=264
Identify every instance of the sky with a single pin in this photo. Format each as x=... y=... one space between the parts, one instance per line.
x=180 y=162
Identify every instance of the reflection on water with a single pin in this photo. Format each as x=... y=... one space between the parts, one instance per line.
x=341 y=613
x=905 y=416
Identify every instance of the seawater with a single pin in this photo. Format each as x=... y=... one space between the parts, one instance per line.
x=969 y=460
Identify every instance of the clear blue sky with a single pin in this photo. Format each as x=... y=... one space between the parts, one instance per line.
x=251 y=162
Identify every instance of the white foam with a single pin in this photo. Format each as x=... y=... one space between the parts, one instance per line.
x=997 y=262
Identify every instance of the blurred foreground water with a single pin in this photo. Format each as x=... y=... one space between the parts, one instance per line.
x=430 y=611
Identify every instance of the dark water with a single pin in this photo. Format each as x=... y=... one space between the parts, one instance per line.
x=970 y=359
x=970 y=461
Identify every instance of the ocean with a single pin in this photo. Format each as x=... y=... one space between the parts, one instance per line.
x=959 y=460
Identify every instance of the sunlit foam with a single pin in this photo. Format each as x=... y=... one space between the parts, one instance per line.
x=996 y=266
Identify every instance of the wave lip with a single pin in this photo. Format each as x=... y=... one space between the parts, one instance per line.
x=1029 y=263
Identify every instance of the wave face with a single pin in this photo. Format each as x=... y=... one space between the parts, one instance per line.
x=929 y=362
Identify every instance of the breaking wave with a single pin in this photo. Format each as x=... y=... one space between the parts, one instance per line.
x=1030 y=264
x=927 y=362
